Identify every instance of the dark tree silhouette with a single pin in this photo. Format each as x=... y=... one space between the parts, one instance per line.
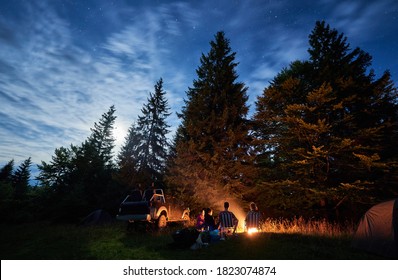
x=20 y=179
x=79 y=178
x=145 y=151
x=6 y=190
x=326 y=127
x=211 y=149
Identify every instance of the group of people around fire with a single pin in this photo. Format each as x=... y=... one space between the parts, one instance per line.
x=227 y=223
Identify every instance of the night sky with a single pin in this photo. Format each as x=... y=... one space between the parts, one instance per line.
x=64 y=63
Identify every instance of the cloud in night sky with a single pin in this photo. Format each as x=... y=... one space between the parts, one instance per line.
x=64 y=63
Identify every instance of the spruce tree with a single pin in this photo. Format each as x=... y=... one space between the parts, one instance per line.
x=6 y=172
x=61 y=194
x=57 y=173
x=94 y=161
x=145 y=151
x=211 y=152
x=153 y=149
x=365 y=108
x=79 y=178
x=326 y=126
x=128 y=159
x=20 y=179
x=101 y=141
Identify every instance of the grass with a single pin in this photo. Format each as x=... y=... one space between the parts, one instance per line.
x=280 y=240
x=309 y=227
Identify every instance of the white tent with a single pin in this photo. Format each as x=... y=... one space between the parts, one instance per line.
x=378 y=230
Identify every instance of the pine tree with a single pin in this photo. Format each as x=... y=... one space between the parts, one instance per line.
x=101 y=141
x=6 y=172
x=364 y=116
x=128 y=159
x=20 y=179
x=79 y=178
x=146 y=149
x=94 y=161
x=152 y=152
x=57 y=173
x=212 y=145
x=61 y=193
x=326 y=125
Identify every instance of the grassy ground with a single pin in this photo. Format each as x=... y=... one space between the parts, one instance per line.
x=281 y=241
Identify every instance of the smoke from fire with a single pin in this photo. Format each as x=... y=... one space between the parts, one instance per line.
x=214 y=197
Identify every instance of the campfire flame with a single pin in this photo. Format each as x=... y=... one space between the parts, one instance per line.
x=252 y=230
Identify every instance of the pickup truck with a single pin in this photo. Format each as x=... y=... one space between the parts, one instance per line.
x=151 y=207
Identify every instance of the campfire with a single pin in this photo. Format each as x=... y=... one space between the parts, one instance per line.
x=251 y=231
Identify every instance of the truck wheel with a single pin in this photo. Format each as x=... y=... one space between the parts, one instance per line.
x=131 y=226
x=162 y=222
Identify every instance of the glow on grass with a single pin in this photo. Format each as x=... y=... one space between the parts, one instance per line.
x=300 y=225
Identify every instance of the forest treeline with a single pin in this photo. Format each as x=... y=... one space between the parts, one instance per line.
x=322 y=139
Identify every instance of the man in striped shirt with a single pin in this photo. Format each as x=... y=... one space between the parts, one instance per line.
x=253 y=218
x=227 y=220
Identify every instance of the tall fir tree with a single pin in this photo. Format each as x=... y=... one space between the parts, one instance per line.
x=61 y=193
x=212 y=149
x=152 y=153
x=101 y=142
x=79 y=178
x=145 y=151
x=127 y=159
x=94 y=161
x=326 y=126
x=20 y=179
x=6 y=172
x=57 y=173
